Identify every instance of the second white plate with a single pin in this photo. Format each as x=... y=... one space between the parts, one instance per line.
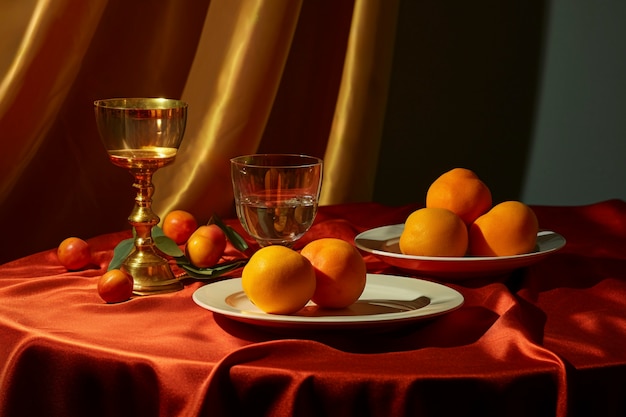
x=383 y=243
x=381 y=304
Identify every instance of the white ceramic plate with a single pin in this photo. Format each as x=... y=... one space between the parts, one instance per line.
x=383 y=243
x=379 y=305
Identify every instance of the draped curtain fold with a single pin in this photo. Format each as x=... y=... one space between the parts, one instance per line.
x=281 y=75
x=41 y=55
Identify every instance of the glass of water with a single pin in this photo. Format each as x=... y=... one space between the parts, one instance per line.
x=276 y=195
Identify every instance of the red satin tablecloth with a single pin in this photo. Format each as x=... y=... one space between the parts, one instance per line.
x=545 y=340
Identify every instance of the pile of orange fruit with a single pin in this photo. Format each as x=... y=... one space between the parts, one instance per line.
x=459 y=219
x=280 y=280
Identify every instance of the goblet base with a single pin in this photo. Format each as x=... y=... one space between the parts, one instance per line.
x=151 y=274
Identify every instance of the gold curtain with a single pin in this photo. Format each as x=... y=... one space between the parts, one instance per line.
x=259 y=76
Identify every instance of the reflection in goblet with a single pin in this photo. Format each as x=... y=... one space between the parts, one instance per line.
x=276 y=195
x=143 y=135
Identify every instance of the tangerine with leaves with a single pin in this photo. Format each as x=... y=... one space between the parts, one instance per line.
x=278 y=280
x=340 y=272
x=179 y=225
x=434 y=232
x=462 y=192
x=509 y=228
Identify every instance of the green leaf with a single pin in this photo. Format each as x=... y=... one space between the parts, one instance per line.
x=167 y=246
x=182 y=260
x=238 y=242
x=212 y=272
x=121 y=251
x=235 y=238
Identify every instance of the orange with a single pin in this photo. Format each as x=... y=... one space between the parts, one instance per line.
x=434 y=232
x=462 y=192
x=278 y=280
x=340 y=272
x=179 y=225
x=509 y=228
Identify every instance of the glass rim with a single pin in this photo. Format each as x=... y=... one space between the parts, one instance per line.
x=140 y=103
x=299 y=160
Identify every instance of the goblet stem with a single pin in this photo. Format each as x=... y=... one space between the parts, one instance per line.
x=150 y=271
x=142 y=218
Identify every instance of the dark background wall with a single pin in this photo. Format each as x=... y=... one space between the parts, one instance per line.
x=578 y=152
x=528 y=94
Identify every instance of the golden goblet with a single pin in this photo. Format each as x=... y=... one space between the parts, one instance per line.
x=143 y=135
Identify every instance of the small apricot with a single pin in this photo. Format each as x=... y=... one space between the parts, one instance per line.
x=278 y=280
x=432 y=231
x=115 y=286
x=462 y=192
x=340 y=272
x=509 y=228
x=74 y=253
x=206 y=246
x=179 y=225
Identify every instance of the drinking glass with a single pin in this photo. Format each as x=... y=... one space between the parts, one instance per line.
x=143 y=135
x=276 y=195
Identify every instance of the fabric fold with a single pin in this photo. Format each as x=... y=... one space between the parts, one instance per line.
x=545 y=340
